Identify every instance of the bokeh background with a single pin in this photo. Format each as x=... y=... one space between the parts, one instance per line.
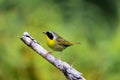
x=93 y=23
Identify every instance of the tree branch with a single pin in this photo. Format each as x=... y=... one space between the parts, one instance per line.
x=66 y=69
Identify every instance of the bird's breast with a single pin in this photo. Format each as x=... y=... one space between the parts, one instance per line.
x=51 y=43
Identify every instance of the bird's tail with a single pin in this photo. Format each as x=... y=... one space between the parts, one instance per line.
x=75 y=43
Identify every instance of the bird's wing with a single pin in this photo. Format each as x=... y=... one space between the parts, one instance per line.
x=63 y=42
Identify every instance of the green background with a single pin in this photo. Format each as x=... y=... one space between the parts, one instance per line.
x=93 y=23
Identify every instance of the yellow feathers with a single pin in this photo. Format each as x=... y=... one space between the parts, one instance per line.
x=50 y=42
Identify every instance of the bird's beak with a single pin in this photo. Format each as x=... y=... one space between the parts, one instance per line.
x=44 y=32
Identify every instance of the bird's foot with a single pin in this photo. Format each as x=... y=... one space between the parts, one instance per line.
x=49 y=52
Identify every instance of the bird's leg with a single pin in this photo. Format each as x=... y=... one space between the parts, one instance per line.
x=72 y=64
x=60 y=56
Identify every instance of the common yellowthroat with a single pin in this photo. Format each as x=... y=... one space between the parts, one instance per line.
x=56 y=42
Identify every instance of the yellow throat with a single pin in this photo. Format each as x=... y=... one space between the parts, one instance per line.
x=50 y=43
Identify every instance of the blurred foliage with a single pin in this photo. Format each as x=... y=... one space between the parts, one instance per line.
x=95 y=23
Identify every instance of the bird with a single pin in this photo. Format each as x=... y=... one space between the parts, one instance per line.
x=56 y=42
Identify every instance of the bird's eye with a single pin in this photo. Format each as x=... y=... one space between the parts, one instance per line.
x=50 y=35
